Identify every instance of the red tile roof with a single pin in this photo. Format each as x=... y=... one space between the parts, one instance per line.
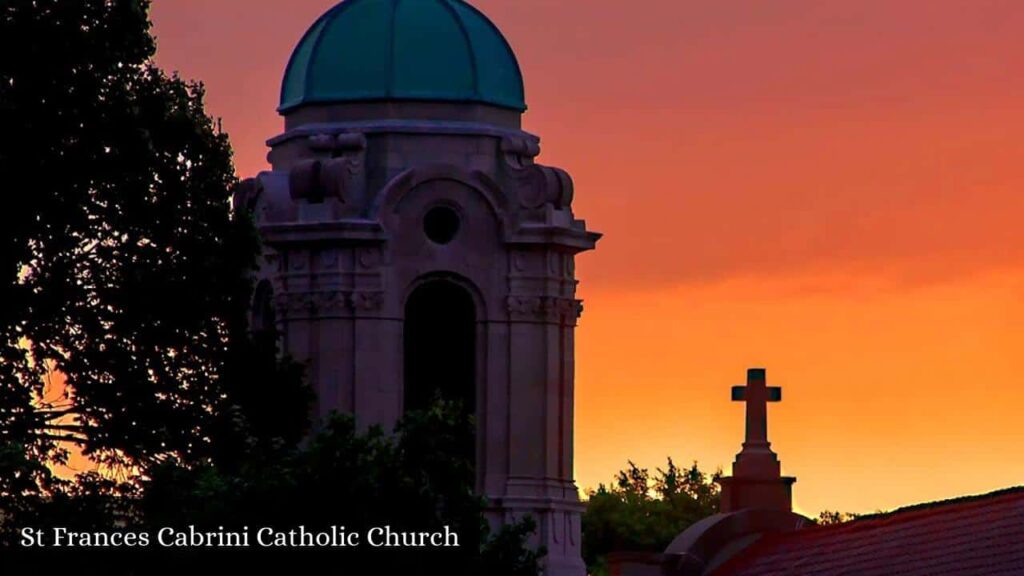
x=973 y=536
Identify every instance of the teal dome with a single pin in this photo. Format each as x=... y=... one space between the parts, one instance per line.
x=363 y=50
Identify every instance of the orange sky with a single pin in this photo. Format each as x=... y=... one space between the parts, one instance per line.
x=830 y=189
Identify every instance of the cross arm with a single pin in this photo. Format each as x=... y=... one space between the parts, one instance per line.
x=739 y=393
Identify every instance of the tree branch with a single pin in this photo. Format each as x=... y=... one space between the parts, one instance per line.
x=60 y=438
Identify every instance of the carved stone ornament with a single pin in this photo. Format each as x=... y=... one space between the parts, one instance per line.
x=542 y=185
x=331 y=301
x=317 y=179
x=294 y=303
x=519 y=152
x=548 y=309
x=367 y=301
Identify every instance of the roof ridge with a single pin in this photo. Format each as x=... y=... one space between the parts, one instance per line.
x=936 y=504
x=908 y=513
x=471 y=49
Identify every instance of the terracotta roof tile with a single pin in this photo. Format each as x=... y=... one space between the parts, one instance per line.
x=973 y=536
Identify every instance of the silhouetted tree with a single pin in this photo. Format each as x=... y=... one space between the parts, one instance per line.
x=122 y=267
x=828 y=517
x=639 y=513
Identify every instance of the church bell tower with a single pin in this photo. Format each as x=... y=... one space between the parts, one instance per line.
x=413 y=246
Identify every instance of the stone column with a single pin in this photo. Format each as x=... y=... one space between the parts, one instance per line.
x=542 y=315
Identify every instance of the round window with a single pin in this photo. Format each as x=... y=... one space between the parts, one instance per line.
x=441 y=224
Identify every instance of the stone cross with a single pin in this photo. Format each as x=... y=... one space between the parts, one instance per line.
x=757 y=395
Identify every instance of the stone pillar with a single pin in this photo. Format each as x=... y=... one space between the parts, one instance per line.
x=542 y=316
x=757 y=481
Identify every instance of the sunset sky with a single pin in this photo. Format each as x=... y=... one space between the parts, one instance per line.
x=829 y=189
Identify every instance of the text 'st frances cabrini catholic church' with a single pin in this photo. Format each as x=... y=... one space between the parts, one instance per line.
x=413 y=246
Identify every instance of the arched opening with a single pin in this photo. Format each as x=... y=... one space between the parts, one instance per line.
x=264 y=319
x=440 y=347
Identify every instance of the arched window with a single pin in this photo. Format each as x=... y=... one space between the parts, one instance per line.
x=264 y=319
x=440 y=349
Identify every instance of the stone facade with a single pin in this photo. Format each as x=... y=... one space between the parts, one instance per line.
x=342 y=215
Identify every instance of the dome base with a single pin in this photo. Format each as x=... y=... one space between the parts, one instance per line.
x=402 y=110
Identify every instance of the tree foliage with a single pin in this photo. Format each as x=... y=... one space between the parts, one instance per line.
x=122 y=267
x=829 y=517
x=641 y=513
